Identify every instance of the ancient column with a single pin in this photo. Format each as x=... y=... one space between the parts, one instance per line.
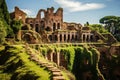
x=58 y=58
x=51 y=56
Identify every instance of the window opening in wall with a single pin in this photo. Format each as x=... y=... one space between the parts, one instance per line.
x=58 y=25
x=54 y=26
x=64 y=37
x=88 y=38
x=37 y=28
x=84 y=37
x=72 y=37
x=56 y=38
x=68 y=37
x=91 y=38
x=75 y=37
x=50 y=37
x=60 y=37
x=42 y=15
x=31 y=25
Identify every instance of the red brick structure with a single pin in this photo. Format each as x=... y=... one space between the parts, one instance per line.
x=18 y=15
x=55 y=30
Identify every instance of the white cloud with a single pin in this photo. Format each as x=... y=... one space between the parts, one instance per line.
x=28 y=12
x=74 y=6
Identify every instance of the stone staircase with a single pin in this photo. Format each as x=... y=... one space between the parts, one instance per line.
x=56 y=72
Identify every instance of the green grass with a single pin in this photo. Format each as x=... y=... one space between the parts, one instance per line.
x=17 y=66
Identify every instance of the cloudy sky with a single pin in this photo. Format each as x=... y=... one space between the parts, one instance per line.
x=79 y=11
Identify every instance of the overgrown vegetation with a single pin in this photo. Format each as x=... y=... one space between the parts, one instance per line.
x=80 y=59
x=99 y=28
x=16 y=65
x=5 y=29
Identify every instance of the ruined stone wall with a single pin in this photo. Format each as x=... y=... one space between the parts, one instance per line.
x=18 y=15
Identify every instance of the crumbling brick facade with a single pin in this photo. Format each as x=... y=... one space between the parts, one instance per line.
x=55 y=30
x=18 y=15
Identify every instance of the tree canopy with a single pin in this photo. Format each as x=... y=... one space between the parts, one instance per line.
x=98 y=27
x=112 y=24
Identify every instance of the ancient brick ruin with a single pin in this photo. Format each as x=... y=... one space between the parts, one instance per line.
x=55 y=30
x=50 y=28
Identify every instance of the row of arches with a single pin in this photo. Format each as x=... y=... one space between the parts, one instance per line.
x=63 y=38
x=58 y=58
x=88 y=37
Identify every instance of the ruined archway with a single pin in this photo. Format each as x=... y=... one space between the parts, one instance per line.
x=30 y=37
x=41 y=14
x=27 y=37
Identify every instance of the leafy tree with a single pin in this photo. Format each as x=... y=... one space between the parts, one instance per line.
x=4 y=11
x=2 y=31
x=112 y=24
x=5 y=18
x=98 y=27
x=16 y=25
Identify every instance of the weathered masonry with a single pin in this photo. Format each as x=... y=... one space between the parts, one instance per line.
x=49 y=24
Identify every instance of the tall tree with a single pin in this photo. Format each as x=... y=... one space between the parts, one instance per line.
x=5 y=18
x=112 y=24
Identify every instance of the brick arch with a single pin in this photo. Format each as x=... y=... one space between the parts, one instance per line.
x=39 y=13
x=27 y=37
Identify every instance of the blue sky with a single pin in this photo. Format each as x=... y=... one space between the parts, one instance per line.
x=79 y=11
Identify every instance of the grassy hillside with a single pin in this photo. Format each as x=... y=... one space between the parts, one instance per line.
x=16 y=65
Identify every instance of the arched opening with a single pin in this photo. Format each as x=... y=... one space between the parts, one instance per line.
x=68 y=37
x=56 y=38
x=64 y=37
x=76 y=37
x=42 y=14
x=91 y=38
x=87 y=38
x=27 y=37
x=36 y=27
x=48 y=28
x=84 y=38
x=31 y=25
x=50 y=37
x=54 y=26
x=60 y=37
x=58 y=26
x=72 y=37
x=63 y=61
